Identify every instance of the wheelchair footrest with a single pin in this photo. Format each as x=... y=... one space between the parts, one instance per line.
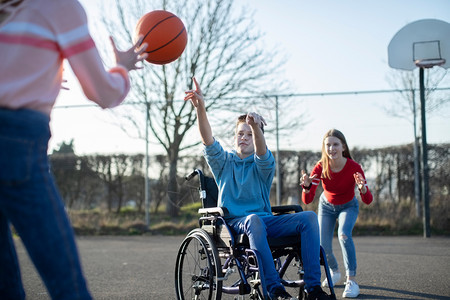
x=293 y=283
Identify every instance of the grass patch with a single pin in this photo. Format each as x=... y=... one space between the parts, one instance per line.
x=132 y=222
x=373 y=220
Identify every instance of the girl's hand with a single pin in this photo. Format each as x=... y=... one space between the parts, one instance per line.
x=306 y=181
x=128 y=59
x=360 y=182
x=195 y=96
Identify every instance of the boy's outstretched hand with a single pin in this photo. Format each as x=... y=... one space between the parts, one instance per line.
x=195 y=96
x=254 y=118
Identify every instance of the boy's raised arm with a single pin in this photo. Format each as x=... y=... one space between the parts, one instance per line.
x=196 y=98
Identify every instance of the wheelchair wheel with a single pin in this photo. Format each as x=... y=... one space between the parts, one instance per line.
x=198 y=269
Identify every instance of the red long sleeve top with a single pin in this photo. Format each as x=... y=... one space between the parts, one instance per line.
x=340 y=189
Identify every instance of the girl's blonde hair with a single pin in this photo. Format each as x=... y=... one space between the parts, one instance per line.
x=324 y=160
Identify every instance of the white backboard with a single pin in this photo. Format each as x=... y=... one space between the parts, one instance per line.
x=418 y=41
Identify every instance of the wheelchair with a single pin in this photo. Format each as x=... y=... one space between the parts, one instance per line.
x=214 y=264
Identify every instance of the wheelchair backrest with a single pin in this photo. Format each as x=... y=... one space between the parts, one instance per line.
x=211 y=192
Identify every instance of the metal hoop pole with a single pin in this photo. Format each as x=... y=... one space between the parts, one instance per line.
x=425 y=188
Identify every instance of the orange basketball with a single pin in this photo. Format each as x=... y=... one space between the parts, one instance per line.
x=165 y=35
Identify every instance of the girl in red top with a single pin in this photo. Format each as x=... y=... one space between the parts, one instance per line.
x=339 y=175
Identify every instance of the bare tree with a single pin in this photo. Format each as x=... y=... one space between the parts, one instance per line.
x=406 y=107
x=408 y=82
x=225 y=54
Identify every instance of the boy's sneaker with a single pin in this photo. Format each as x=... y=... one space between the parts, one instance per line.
x=335 y=277
x=316 y=293
x=279 y=293
x=351 y=289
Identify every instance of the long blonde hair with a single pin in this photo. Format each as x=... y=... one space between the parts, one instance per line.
x=324 y=160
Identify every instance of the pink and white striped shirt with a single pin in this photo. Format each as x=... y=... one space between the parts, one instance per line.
x=35 y=39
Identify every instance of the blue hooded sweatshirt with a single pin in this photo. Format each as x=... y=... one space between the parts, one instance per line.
x=244 y=184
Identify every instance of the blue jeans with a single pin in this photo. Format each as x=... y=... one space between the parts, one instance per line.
x=346 y=214
x=30 y=202
x=303 y=224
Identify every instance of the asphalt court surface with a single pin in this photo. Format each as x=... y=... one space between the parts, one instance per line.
x=142 y=267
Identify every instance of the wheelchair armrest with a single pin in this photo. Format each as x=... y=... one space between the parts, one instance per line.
x=221 y=211
x=284 y=209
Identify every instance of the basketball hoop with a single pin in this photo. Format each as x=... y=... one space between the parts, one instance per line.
x=423 y=43
x=429 y=63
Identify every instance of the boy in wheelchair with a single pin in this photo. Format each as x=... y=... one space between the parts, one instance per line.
x=244 y=177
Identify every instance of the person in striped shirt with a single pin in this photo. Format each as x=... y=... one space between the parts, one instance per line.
x=36 y=36
x=339 y=174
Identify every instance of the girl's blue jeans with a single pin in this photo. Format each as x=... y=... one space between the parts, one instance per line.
x=346 y=214
x=30 y=202
x=304 y=225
